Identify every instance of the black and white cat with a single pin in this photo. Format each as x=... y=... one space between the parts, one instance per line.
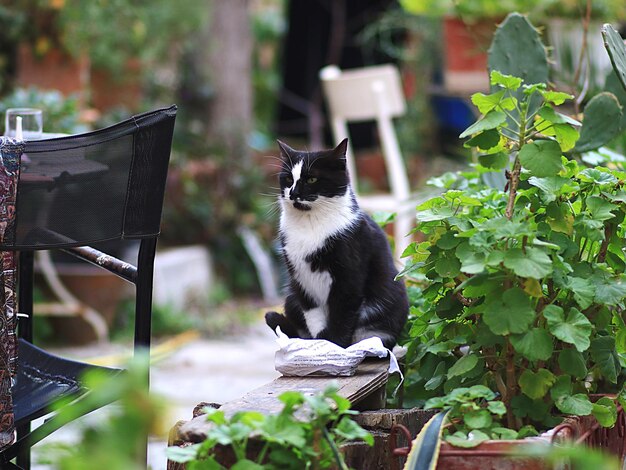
x=341 y=269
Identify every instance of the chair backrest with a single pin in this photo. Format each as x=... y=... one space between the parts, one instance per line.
x=93 y=187
x=368 y=94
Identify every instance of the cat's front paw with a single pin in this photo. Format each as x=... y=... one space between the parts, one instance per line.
x=274 y=320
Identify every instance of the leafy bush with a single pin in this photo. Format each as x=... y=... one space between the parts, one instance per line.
x=287 y=441
x=524 y=288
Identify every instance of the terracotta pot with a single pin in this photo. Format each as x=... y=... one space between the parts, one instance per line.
x=504 y=455
x=465 y=54
x=94 y=287
x=57 y=70
x=490 y=455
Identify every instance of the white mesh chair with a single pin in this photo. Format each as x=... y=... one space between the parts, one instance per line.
x=373 y=94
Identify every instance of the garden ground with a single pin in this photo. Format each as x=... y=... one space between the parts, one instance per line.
x=187 y=370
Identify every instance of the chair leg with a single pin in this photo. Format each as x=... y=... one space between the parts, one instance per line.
x=23 y=455
x=143 y=307
x=25 y=306
x=25 y=295
x=143 y=285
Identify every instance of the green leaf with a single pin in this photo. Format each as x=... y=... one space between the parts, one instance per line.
x=523 y=406
x=578 y=404
x=512 y=313
x=617 y=51
x=477 y=419
x=507 y=81
x=463 y=365
x=448 y=267
x=182 y=454
x=605 y=411
x=460 y=439
x=582 y=289
x=572 y=362
x=600 y=209
x=434 y=214
x=350 y=429
x=438 y=377
x=534 y=345
x=574 y=329
x=602 y=122
x=541 y=158
x=549 y=114
x=609 y=290
x=448 y=241
x=485 y=140
x=565 y=135
x=504 y=433
x=603 y=353
x=491 y=120
x=472 y=262
x=246 y=464
x=480 y=391
x=620 y=341
x=597 y=176
x=551 y=186
x=497 y=408
x=486 y=103
x=494 y=161
x=555 y=97
x=532 y=262
x=207 y=463
x=536 y=384
x=562 y=387
x=527 y=431
x=560 y=219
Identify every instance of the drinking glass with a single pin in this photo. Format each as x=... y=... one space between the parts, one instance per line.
x=31 y=123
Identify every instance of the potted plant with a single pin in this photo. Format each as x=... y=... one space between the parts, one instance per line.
x=467 y=31
x=518 y=321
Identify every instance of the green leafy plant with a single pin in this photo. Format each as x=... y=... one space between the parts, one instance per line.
x=306 y=433
x=524 y=287
x=475 y=415
x=116 y=440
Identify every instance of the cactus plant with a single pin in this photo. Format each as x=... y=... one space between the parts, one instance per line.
x=602 y=122
x=517 y=50
x=617 y=51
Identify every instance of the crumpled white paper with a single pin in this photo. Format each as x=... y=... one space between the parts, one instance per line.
x=303 y=357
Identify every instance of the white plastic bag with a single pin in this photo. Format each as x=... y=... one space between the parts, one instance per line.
x=303 y=357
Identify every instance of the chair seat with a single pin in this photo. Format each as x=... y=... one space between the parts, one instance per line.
x=43 y=378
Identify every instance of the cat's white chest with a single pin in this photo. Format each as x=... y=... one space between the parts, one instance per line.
x=305 y=233
x=317 y=283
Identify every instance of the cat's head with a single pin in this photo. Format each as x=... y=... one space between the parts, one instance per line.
x=306 y=178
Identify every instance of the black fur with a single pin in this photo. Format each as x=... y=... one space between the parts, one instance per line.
x=359 y=261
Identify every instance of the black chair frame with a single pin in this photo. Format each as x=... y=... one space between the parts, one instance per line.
x=141 y=276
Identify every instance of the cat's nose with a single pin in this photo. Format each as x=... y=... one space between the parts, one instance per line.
x=294 y=195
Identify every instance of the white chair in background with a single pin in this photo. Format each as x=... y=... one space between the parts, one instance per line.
x=373 y=94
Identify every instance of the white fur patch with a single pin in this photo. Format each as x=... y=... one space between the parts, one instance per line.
x=316 y=320
x=306 y=232
x=296 y=173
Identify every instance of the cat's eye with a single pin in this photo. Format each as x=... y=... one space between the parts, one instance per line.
x=311 y=180
x=289 y=179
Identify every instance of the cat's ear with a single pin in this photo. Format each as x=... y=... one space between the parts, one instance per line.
x=341 y=149
x=339 y=154
x=285 y=150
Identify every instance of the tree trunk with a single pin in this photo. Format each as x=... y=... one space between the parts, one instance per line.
x=226 y=56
